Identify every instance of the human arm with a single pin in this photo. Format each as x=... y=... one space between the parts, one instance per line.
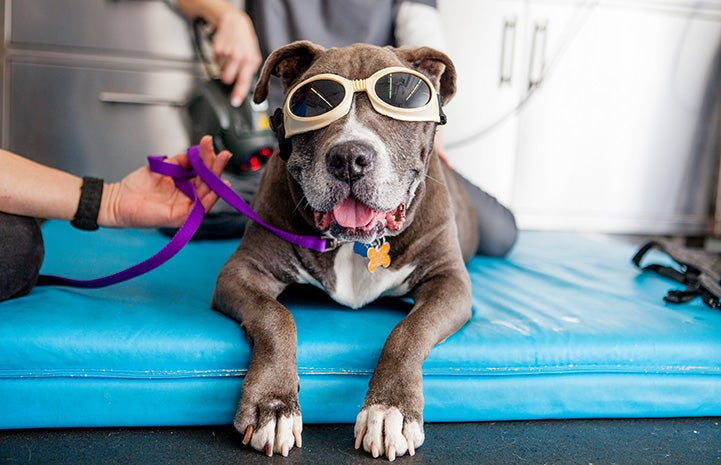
x=235 y=44
x=141 y=199
x=418 y=23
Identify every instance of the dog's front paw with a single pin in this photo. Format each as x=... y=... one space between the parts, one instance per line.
x=383 y=430
x=270 y=427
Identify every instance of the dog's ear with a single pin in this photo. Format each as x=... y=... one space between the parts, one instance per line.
x=436 y=65
x=287 y=62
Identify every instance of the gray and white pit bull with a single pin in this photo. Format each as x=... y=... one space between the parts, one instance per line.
x=417 y=205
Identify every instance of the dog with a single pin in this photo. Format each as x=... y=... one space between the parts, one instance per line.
x=357 y=167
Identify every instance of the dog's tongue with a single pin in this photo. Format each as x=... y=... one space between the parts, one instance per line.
x=352 y=214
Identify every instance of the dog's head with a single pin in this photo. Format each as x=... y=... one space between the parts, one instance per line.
x=358 y=169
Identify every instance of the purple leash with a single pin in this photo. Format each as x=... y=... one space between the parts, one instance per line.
x=316 y=243
x=182 y=178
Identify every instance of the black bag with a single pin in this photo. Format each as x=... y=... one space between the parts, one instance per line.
x=699 y=270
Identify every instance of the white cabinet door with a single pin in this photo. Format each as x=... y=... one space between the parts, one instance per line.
x=500 y=51
x=484 y=38
x=616 y=138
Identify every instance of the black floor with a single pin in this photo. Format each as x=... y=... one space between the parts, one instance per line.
x=598 y=442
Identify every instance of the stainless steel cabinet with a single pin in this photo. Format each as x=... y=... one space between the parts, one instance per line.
x=93 y=86
x=85 y=120
x=138 y=27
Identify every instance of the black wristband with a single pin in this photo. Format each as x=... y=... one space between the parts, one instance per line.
x=86 y=217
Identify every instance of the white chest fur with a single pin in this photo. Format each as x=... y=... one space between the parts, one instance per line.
x=355 y=286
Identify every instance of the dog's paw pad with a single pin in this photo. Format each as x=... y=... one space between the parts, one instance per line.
x=383 y=430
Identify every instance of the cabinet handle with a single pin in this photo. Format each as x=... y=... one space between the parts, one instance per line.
x=508 y=47
x=538 y=54
x=138 y=99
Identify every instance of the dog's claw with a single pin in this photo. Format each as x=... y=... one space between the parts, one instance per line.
x=268 y=449
x=359 y=437
x=391 y=453
x=248 y=435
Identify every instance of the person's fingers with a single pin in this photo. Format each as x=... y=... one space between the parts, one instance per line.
x=208 y=157
x=240 y=91
x=230 y=69
x=216 y=163
x=220 y=162
x=242 y=85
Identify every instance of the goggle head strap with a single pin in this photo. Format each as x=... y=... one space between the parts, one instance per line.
x=442 y=115
x=284 y=144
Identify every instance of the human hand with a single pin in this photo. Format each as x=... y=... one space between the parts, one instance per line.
x=144 y=199
x=236 y=51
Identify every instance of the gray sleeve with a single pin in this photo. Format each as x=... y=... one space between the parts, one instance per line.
x=418 y=23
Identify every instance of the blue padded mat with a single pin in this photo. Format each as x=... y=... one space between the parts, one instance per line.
x=565 y=327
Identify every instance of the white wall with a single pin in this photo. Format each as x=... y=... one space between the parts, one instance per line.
x=620 y=134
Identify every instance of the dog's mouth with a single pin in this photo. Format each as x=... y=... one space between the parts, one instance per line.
x=355 y=220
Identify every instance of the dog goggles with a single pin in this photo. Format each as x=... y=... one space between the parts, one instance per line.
x=396 y=92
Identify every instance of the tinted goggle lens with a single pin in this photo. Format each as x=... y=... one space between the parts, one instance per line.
x=398 y=89
x=403 y=90
x=316 y=98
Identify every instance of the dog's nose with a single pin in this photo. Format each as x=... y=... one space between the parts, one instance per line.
x=350 y=161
